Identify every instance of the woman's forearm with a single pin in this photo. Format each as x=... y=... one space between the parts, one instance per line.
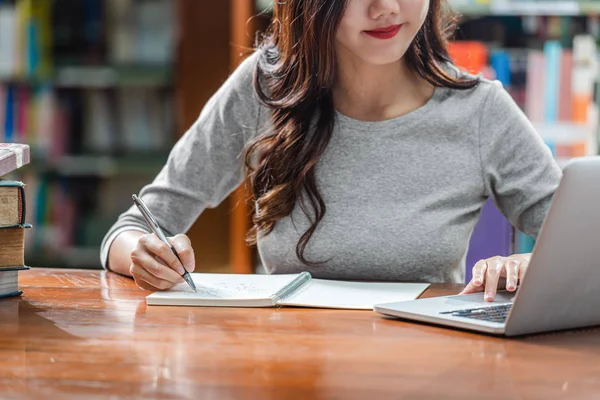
x=119 y=255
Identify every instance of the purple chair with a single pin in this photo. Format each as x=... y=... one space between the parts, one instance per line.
x=493 y=236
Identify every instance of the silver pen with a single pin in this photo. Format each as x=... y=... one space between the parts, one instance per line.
x=153 y=224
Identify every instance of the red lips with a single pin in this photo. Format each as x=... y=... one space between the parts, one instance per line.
x=387 y=32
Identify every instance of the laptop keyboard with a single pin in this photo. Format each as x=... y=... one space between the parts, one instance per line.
x=491 y=313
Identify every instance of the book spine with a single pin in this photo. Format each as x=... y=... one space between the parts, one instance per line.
x=552 y=53
x=534 y=91
x=584 y=53
x=565 y=86
x=290 y=288
x=3 y=100
x=8 y=18
x=22 y=206
x=9 y=114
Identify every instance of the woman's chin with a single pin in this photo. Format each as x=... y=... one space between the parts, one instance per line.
x=383 y=59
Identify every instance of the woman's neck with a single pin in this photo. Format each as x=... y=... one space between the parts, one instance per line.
x=378 y=92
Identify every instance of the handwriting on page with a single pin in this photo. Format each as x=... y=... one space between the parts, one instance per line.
x=222 y=290
x=204 y=292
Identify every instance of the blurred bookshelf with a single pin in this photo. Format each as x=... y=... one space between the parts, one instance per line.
x=507 y=7
x=90 y=86
x=101 y=90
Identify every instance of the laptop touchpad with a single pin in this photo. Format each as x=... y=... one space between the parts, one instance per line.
x=477 y=298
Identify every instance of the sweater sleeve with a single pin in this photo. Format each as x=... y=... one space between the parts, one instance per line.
x=205 y=165
x=519 y=171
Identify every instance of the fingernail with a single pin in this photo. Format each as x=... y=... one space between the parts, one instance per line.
x=477 y=281
x=488 y=296
x=510 y=286
x=180 y=270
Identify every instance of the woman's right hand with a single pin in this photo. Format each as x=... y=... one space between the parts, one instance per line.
x=155 y=267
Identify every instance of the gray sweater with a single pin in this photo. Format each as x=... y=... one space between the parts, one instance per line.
x=402 y=195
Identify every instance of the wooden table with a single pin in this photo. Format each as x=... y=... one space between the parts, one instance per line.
x=89 y=335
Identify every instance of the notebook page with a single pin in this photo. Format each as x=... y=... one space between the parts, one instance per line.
x=222 y=287
x=353 y=295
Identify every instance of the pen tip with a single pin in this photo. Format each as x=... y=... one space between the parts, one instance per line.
x=190 y=281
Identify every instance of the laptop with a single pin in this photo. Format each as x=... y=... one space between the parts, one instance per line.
x=561 y=288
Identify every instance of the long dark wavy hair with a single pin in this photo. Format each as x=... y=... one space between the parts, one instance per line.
x=294 y=78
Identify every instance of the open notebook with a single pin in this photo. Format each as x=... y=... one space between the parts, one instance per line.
x=301 y=290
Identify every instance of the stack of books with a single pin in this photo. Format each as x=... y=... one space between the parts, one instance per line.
x=12 y=219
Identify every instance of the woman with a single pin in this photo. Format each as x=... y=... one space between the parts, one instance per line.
x=370 y=155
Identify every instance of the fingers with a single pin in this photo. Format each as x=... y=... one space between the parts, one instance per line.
x=154 y=266
x=512 y=274
x=475 y=285
x=516 y=267
x=146 y=280
x=142 y=284
x=491 y=270
x=152 y=244
x=183 y=246
x=479 y=271
x=150 y=264
x=494 y=270
x=523 y=265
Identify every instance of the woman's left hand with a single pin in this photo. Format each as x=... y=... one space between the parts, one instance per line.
x=487 y=273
